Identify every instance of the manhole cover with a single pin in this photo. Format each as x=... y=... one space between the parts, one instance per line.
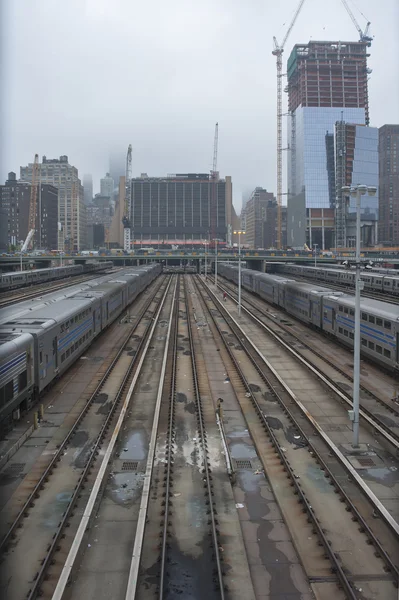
x=14 y=469
x=130 y=465
x=365 y=461
x=243 y=464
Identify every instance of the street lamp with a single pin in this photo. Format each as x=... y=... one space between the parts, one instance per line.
x=357 y=192
x=20 y=253
x=239 y=269
x=315 y=254
x=216 y=262
x=206 y=260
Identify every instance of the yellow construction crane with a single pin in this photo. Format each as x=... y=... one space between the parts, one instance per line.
x=278 y=53
x=32 y=205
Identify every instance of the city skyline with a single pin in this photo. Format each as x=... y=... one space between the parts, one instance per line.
x=172 y=130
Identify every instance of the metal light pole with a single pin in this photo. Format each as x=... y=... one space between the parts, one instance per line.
x=357 y=192
x=315 y=254
x=206 y=261
x=20 y=253
x=239 y=269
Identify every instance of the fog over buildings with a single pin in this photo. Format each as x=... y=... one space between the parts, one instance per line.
x=168 y=83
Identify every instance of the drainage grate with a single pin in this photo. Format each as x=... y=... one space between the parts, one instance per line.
x=130 y=465
x=243 y=464
x=365 y=461
x=14 y=469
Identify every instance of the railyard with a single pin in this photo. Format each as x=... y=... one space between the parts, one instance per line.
x=192 y=452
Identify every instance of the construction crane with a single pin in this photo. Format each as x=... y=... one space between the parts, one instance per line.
x=32 y=205
x=126 y=220
x=278 y=53
x=214 y=180
x=364 y=35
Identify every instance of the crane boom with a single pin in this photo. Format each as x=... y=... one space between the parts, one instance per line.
x=278 y=53
x=215 y=149
x=32 y=204
x=364 y=35
x=127 y=208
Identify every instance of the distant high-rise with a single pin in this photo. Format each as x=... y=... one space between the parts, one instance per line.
x=71 y=208
x=177 y=208
x=255 y=216
x=389 y=185
x=327 y=82
x=117 y=165
x=88 y=189
x=107 y=186
x=15 y=201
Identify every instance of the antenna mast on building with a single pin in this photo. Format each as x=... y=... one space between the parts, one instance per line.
x=214 y=180
x=278 y=53
x=126 y=220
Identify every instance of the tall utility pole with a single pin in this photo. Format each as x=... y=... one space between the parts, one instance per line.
x=126 y=220
x=278 y=53
x=214 y=180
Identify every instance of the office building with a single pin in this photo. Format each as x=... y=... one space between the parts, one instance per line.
x=181 y=209
x=356 y=161
x=88 y=189
x=389 y=185
x=327 y=82
x=117 y=165
x=270 y=225
x=71 y=207
x=95 y=236
x=107 y=186
x=15 y=201
x=255 y=216
x=4 y=243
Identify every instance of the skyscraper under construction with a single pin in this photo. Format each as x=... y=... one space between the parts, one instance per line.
x=327 y=83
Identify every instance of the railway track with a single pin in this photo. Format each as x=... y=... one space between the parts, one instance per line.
x=68 y=478
x=307 y=449
x=370 y=402
x=9 y=298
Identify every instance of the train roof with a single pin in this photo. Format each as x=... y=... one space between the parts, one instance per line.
x=10 y=341
x=309 y=287
x=45 y=316
x=380 y=308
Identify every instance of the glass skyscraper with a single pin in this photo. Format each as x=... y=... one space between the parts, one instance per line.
x=327 y=82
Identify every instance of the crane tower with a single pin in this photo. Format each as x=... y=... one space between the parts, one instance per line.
x=214 y=180
x=126 y=220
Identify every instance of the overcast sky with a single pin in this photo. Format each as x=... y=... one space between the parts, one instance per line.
x=80 y=77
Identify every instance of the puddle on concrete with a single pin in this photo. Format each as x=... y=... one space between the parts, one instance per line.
x=100 y=398
x=248 y=481
x=317 y=476
x=180 y=397
x=79 y=439
x=54 y=510
x=125 y=488
x=146 y=387
x=382 y=475
x=240 y=450
x=134 y=447
x=190 y=407
x=274 y=423
x=386 y=420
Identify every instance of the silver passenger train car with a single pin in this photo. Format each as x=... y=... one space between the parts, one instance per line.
x=330 y=311
x=17 y=279
x=38 y=345
x=373 y=281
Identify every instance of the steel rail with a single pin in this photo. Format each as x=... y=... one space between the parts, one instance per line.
x=39 y=578
x=229 y=288
x=356 y=514
x=202 y=435
x=169 y=450
x=88 y=511
x=57 y=456
x=367 y=415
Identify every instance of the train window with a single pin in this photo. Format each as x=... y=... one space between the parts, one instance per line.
x=340 y=309
x=345 y=310
x=68 y=352
x=364 y=342
x=41 y=357
x=378 y=349
x=22 y=380
x=63 y=357
x=351 y=335
x=371 y=345
x=364 y=316
x=387 y=353
x=378 y=322
x=371 y=319
x=387 y=324
x=62 y=328
x=345 y=332
x=352 y=312
x=8 y=391
x=67 y=324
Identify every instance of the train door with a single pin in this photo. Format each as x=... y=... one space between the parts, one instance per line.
x=55 y=353
x=397 y=348
x=94 y=321
x=311 y=310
